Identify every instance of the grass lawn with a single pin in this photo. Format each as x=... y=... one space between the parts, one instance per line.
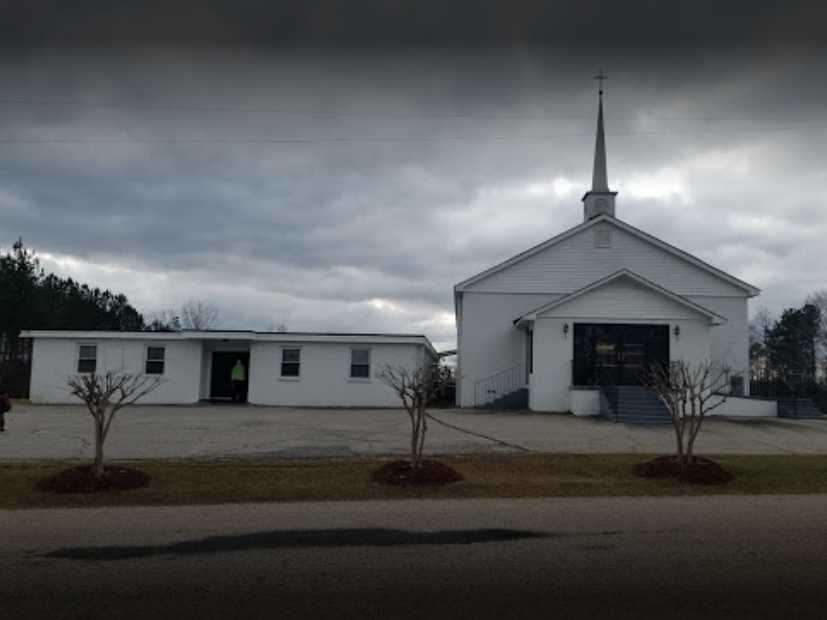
x=177 y=482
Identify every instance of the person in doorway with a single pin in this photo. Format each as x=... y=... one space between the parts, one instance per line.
x=5 y=406
x=238 y=376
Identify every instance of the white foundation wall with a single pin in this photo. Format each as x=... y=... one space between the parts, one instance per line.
x=55 y=359
x=324 y=379
x=488 y=342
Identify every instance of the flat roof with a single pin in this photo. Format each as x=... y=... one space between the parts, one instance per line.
x=234 y=334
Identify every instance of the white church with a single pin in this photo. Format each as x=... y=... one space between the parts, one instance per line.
x=592 y=307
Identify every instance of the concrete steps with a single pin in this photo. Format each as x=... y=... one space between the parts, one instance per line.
x=634 y=405
x=518 y=399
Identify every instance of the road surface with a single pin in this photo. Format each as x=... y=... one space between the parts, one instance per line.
x=701 y=557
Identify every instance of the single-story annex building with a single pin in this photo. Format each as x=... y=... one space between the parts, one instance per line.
x=280 y=369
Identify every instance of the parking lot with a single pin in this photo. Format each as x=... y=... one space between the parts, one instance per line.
x=35 y=432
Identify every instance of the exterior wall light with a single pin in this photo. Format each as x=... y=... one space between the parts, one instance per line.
x=677 y=331
x=565 y=330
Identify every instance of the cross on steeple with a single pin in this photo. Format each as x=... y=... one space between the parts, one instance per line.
x=600 y=77
x=599 y=200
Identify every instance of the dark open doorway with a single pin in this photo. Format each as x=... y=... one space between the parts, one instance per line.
x=221 y=386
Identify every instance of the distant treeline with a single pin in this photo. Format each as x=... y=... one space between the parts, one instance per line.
x=32 y=299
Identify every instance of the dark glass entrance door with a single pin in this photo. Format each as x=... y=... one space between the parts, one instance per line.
x=617 y=354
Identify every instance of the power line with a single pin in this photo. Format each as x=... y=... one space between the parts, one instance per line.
x=389 y=140
x=381 y=114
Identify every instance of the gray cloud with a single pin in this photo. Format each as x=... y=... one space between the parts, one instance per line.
x=352 y=190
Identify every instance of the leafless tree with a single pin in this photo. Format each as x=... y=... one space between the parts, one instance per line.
x=199 y=315
x=689 y=392
x=166 y=320
x=104 y=395
x=416 y=388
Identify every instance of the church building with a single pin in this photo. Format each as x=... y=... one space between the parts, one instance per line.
x=593 y=307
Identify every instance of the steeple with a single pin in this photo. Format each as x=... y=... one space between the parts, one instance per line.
x=599 y=200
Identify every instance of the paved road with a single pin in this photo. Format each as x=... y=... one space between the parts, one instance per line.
x=207 y=431
x=735 y=557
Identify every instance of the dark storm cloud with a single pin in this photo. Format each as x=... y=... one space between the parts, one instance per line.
x=351 y=190
x=571 y=23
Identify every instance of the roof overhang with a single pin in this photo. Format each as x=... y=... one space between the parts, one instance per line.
x=237 y=335
x=713 y=317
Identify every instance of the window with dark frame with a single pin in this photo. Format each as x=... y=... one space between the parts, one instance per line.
x=87 y=358
x=360 y=363
x=290 y=362
x=155 y=360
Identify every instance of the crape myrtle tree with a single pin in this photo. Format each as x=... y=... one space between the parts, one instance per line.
x=416 y=389
x=104 y=395
x=689 y=392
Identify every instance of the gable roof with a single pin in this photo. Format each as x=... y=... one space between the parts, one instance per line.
x=750 y=289
x=623 y=273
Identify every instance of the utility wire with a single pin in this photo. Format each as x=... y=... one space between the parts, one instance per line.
x=187 y=107
x=401 y=139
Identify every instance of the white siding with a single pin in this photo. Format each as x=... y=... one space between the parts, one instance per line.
x=324 y=379
x=54 y=360
x=730 y=341
x=623 y=299
x=574 y=263
x=488 y=341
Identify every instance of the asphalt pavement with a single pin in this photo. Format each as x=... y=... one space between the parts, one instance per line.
x=698 y=557
x=43 y=432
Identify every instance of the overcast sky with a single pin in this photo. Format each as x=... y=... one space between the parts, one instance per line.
x=344 y=183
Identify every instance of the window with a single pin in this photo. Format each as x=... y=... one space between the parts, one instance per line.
x=290 y=362
x=155 y=358
x=87 y=358
x=360 y=363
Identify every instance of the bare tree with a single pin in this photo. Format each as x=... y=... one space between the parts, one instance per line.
x=199 y=315
x=104 y=395
x=416 y=388
x=166 y=320
x=689 y=392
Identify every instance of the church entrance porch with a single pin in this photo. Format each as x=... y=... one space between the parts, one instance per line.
x=617 y=353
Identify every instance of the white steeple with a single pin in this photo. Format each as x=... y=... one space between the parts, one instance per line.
x=599 y=200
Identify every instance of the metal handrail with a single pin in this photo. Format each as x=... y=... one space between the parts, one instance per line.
x=503 y=382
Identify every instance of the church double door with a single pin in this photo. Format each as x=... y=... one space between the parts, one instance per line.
x=617 y=354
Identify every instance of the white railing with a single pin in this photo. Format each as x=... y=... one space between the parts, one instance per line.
x=499 y=384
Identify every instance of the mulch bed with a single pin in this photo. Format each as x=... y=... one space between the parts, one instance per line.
x=700 y=471
x=428 y=474
x=81 y=480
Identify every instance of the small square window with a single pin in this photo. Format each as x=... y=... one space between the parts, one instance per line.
x=155 y=360
x=87 y=358
x=290 y=362
x=360 y=363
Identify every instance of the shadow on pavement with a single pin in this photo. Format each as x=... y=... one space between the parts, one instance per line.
x=277 y=539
